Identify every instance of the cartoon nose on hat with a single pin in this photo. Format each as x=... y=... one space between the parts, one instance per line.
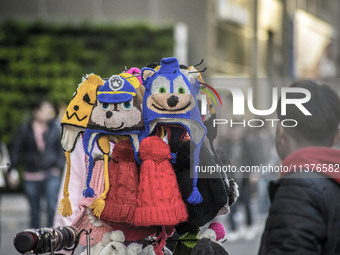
x=109 y=114
x=172 y=101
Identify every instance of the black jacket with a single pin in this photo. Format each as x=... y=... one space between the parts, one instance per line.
x=25 y=150
x=304 y=217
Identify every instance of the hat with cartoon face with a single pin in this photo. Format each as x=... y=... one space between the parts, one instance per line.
x=73 y=124
x=79 y=110
x=169 y=99
x=117 y=112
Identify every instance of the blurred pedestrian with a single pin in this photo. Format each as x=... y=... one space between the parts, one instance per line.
x=37 y=146
x=304 y=214
x=234 y=150
x=259 y=151
x=4 y=165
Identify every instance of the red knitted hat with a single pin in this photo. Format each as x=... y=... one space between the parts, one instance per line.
x=159 y=199
x=121 y=200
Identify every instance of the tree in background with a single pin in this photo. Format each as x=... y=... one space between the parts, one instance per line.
x=45 y=60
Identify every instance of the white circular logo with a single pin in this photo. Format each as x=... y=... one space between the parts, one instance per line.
x=116 y=82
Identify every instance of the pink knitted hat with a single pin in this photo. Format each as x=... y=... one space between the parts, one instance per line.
x=86 y=220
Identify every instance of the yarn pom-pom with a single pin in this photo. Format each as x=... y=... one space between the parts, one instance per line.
x=219 y=230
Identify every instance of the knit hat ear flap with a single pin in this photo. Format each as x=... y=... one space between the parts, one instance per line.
x=89 y=141
x=198 y=82
x=195 y=197
x=211 y=131
x=98 y=205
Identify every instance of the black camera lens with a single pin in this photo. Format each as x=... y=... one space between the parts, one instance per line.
x=45 y=239
x=26 y=241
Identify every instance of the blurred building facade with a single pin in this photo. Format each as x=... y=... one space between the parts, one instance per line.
x=237 y=38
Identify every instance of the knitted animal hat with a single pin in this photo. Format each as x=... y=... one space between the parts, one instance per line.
x=73 y=123
x=79 y=110
x=169 y=99
x=116 y=112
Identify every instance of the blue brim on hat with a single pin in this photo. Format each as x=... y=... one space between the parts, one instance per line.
x=106 y=97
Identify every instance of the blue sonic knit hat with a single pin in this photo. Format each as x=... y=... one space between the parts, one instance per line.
x=169 y=99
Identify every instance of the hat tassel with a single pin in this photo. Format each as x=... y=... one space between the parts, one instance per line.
x=195 y=197
x=65 y=207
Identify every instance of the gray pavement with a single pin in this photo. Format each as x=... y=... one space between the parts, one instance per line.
x=246 y=244
x=14 y=211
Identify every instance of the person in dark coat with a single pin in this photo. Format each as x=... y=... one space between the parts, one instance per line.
x=304 y=216
x=37 y=147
